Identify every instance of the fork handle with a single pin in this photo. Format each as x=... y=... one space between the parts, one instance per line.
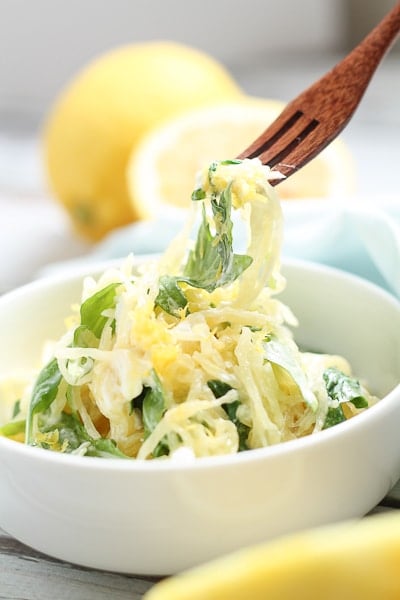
x=355 y=71
x=371 y=50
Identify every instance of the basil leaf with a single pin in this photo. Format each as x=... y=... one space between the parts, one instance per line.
x=219 y=389
x=44 y=393
x=282 y=355
x=342 y=388
x=92 y=309
x=170 y=296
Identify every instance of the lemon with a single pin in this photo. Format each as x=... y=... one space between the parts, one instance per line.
x=106 y=109
x=163 y=165
x=351 y=561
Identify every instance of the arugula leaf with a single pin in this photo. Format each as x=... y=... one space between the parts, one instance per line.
x=44 y=393
x=92 y=309
x=281 y=355
x=341 y=388
x=219 y=389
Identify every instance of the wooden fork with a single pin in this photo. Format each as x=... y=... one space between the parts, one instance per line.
x=311 y=121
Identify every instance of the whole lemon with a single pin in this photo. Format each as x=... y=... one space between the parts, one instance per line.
x=100 y=117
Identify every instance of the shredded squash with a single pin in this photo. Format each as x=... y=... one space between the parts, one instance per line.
x=191 y=355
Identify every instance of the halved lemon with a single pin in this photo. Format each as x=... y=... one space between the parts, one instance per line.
x=162 y=168
x=352 y=561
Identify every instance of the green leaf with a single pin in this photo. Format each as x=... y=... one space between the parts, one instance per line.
x=13 y=428
x=242 y=429
x=72 y=432
x=170 y=296
x=342 y=388
x=282 y=355
x=86 y=335
x=84 y=338
x=334 y=416
x=92 y=309
x=104 y=448
x=198 y=194
x=213 y=263
x=16 y=408
x=44 y=393
x=153 y=406
x=153 y=409
x=231 y=161
x=219 y=389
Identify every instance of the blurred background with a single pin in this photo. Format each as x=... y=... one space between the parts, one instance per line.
x=272 y=49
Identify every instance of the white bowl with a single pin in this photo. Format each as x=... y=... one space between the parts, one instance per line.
x=159 y=517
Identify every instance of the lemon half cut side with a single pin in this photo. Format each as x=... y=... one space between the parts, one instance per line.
x=162 y=168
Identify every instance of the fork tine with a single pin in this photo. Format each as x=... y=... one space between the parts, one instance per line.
x=277 y=129
x=287 y=143
x=312 y=120
x=299 y=152
x=287 y=132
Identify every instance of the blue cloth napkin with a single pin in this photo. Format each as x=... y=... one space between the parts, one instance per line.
x=359 y=236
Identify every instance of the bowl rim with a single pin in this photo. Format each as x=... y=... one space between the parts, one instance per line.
x=289 y=447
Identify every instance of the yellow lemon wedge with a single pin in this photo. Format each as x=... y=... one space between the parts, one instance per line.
x=102 y=114
x=351 y=561
x=163 y=165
